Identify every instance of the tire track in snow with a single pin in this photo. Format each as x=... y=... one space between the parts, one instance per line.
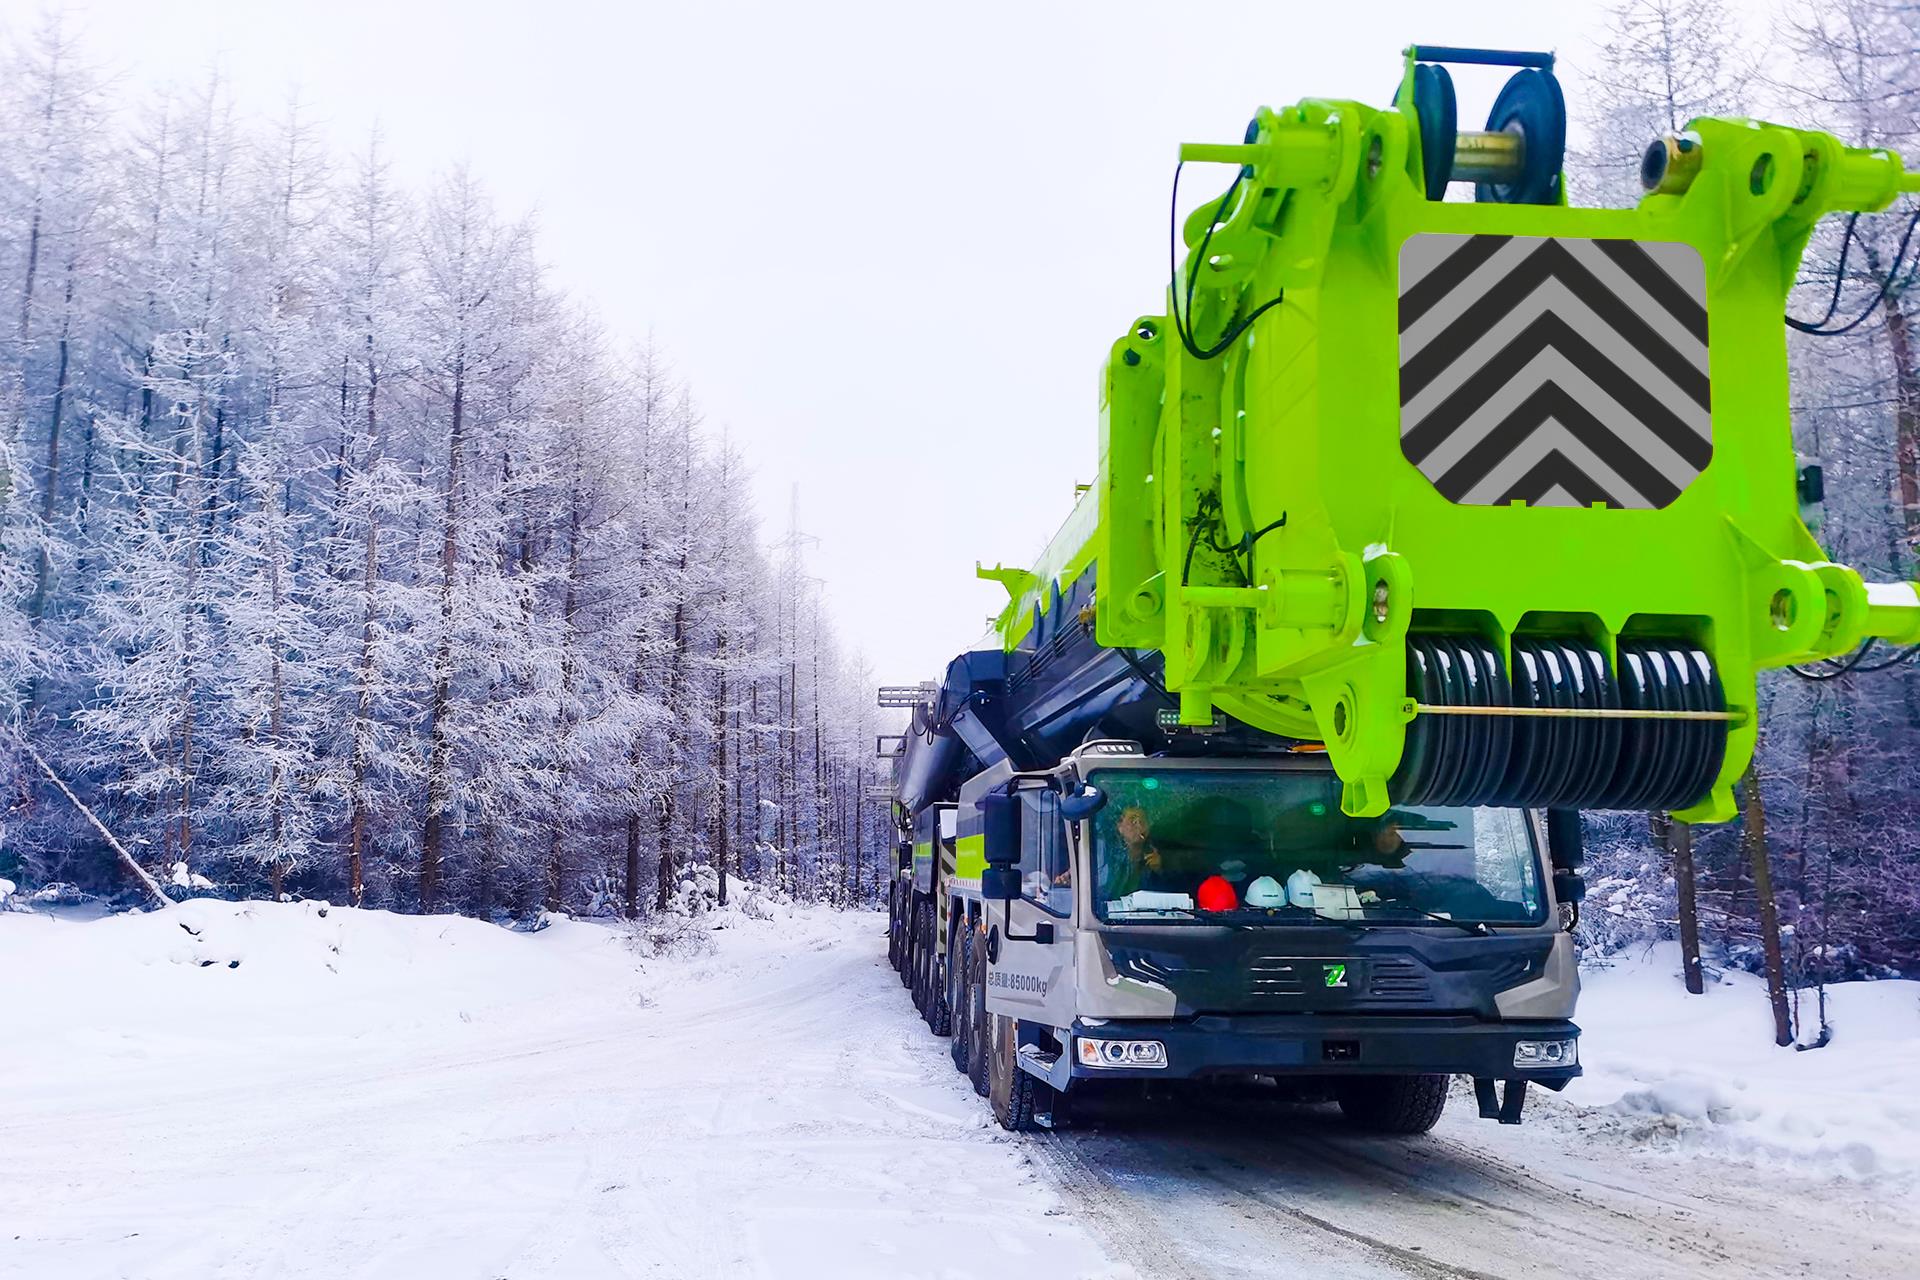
x=1236 y=1186
x=1106 y=1211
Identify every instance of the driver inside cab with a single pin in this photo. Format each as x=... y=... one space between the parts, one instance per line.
x=1143 y=864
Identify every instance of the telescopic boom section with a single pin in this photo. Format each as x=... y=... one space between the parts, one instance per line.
x=1497 y=500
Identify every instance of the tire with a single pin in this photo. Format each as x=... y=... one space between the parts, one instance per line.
x=893 y=926
x=906 y=937
x=1014 y=1095
x=962 y=955
x=979 y=1026
x=938 y=1013
x=927 y=956
x=1403 y=1105
x=939 y=1009
x=918 y=933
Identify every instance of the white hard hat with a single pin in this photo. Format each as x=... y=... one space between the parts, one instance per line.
x=1266 y=893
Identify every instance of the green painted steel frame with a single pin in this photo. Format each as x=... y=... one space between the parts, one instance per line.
x=1303 y=633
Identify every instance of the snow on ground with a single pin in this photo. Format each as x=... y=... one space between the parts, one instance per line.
x=1703 y=1071
x=254 y=1089
x=260 y=1089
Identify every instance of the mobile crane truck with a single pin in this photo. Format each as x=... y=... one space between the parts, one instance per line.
x=1419 y=527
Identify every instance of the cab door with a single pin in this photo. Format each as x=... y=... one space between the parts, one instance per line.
x=1026 y=978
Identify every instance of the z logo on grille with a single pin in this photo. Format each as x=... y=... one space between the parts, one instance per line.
x=1552 y=370
x=1336 y=975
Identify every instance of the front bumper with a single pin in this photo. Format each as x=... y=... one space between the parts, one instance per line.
x=1321 y=1045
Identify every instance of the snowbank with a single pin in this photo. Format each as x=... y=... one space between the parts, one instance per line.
x=1704 y=1071
x=267 y=978
x=278 y=1089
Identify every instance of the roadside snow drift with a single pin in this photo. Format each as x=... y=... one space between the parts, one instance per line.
x=1704 y=1071
x=261 y=1089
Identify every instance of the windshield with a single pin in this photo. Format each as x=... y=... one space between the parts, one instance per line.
x=1246 y=846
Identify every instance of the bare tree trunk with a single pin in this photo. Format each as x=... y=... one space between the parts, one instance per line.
x=1906 y=414
x=369 y=578
x=190 y=616
x=723 y=811
x=138 y=872
x=33 y=267
x=636 y=759
x=1755 y=837
x=49 y=500
x=563 y=731
x=633 y=866
x=667 y=872
x=440 y=753
x=1680 y=841
x=483 y=880
x=276 y=718
x=363 y=721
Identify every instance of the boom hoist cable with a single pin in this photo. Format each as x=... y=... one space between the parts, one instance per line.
x=1839 y=668
x=1818 y=328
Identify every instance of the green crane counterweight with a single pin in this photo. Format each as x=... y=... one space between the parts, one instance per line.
x=1497 y=500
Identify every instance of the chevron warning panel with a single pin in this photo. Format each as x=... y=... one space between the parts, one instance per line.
x=1554 y=371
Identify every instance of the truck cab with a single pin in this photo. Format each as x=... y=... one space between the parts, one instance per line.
x=1177 y=917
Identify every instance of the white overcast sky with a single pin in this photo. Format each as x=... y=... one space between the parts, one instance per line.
x=888 y=244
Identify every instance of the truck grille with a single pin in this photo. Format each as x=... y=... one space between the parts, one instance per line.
x=1397 y=980
x=1271 y=977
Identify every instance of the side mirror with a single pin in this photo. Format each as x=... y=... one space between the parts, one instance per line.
x=1083 y=803
x=1000 y=822
x=1566 y=848
x=999 y=884
x=1569 y=887
x=904 y=855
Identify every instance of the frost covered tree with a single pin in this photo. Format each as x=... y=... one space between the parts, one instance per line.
x=1654 y=65
x=340 y=554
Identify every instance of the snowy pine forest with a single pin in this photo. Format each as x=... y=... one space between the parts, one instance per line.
x=342 y=555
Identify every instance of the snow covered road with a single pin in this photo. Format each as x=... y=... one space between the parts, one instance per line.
x=1227 y=1188
x=365 y=1095
x=485 y=1104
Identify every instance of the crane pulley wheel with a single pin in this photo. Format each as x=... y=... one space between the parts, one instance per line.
x=1575 y=735
x=1435 y=108
x=1530 y=105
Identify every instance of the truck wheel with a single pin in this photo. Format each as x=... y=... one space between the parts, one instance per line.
x=1392 y=1104
x=918 y=933
x=978 y=1024
x=962 y=999
x=906 y=940
x=939 y=1013
x=927 y=957
x=893 y=928
x=939 y=978
x=1013 y=1094
x=898 y=934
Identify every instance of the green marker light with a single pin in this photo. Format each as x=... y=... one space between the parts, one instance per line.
x=1318 y=809
x=1151 y=784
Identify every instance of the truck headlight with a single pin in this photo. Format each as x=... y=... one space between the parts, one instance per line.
x=1545 y=1053
x=1121 y=1053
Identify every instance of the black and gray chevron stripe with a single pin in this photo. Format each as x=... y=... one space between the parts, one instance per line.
x=1554 y=371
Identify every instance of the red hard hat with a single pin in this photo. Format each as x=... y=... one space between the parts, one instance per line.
x=1217 y=895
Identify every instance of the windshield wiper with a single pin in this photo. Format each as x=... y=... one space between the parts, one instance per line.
x=1478 y=928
